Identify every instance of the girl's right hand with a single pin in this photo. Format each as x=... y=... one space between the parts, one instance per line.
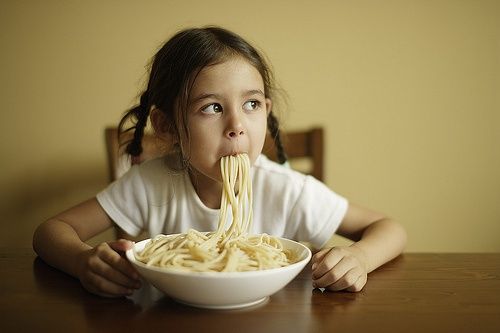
x=103 y=270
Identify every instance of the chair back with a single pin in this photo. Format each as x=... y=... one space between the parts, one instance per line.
x=304 y=149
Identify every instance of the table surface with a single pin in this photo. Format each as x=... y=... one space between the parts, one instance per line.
x=413 y=293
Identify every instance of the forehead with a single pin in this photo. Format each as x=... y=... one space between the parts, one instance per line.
x=235 y=73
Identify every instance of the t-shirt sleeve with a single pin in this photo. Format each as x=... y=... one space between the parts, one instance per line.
x=318 y=212
x=125 y=201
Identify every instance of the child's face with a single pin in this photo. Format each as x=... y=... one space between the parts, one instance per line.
x=227 y=114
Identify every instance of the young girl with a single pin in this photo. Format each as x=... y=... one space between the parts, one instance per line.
x=211 y=93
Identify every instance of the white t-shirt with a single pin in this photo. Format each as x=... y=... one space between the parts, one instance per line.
x=286 y=203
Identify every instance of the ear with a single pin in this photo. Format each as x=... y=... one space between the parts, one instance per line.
x=269 y=106
x=159 y=123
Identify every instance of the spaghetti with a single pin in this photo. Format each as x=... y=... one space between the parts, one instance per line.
x=224 y=250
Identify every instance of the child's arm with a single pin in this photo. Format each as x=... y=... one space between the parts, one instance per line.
x=377 y=238
x=60 y=241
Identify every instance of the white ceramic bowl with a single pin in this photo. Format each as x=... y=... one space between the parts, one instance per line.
x=221 y=290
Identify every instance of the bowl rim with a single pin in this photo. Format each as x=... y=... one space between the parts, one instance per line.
x=131 y=258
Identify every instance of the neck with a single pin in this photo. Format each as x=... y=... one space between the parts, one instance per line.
x=208 y=190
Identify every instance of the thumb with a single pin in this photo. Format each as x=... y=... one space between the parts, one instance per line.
x=121 y=245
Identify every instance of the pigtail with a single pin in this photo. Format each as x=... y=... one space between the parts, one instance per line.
x=274 y=129
x=139 y=116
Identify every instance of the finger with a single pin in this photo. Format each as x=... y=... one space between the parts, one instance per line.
x=108 y=272
x=103 y=287
x=121 y=245
x=318 y=256
x=328 y=261
x=335 y=273
x=114 y=259
x=358 y=285
x=348 y=280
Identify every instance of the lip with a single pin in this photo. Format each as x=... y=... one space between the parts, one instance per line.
x=233 y=153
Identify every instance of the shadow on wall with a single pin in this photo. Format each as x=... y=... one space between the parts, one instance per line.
x=28 y=201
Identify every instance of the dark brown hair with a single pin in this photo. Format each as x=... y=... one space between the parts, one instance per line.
x=172 y=74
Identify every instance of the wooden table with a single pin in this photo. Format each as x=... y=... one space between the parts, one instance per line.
x=413 y=293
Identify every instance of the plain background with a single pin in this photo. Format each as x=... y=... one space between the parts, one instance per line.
x=408 y=93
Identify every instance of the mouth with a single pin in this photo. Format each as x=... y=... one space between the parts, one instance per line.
x=238 y=176
x=233 y=153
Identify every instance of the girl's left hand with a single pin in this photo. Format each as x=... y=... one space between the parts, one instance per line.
x=340 y=268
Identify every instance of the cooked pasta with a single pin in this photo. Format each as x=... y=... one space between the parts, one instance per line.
x=230 y=249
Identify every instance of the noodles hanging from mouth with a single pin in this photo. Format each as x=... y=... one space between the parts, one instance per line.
x=230 y=249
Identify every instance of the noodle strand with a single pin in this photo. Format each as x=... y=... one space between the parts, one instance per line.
x=230 y=249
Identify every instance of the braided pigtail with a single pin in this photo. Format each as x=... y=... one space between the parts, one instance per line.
x=274 y=129
x=139 y=116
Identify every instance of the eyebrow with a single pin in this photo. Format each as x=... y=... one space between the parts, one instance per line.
x=204 y=96
x=254 y=92
x=217 y=96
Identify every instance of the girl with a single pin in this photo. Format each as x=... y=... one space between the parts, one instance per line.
x=210 y=92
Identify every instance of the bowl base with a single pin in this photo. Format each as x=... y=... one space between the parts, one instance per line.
x=226 y=306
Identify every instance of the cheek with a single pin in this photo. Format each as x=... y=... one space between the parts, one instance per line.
x=199 y=139
x=258 y=138
x=201 y=147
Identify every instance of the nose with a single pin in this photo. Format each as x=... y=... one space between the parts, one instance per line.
x=233 y=134
x=234 y=128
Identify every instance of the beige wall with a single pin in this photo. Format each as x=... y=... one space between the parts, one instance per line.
x=407 y=90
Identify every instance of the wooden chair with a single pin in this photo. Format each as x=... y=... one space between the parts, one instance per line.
x=300 y=146
x=304 y=150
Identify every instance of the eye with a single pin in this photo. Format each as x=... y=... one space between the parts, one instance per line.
x=251 y=105
x=212 y=108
